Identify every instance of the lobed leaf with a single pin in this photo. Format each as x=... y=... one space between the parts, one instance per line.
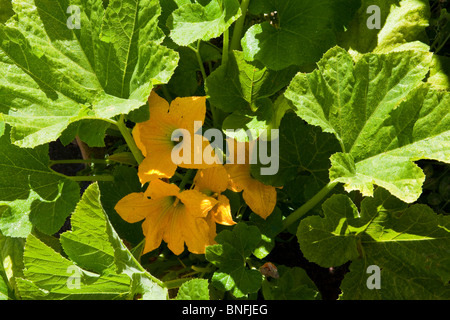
x=99 y=266
x=195 y=289
x=31 y=194
x=54 y=74
x=198 y=21
x=409 y=245
x=230 y=254
x=381 y=113
x=301 y=33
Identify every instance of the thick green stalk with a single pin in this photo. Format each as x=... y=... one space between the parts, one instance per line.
x=309 y=205
x=91 y=178
x=226 y=47
x=186 y=178
x=79 y=161
x=126 y=133
x=237 y=33
x=200 y=60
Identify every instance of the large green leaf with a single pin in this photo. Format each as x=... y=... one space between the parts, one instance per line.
x=247 y=95
x=302 y=32
x=439 y=73
x=304 y=154
x=53 y=75
x=202 y=21
x=409 y=245
x=402 y=27
x=230 y=254
x=104 y=266
x=382 y=114
x=31 y=194
x=247 y=84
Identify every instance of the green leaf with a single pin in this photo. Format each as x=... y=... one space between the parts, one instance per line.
x=197 y=21
x=195 y=289
x=315 y=23
x=2 y=125
x=11 y=263
x=184 y=82
x=62 y=75
x=382 y=114
x=293 y=284
x=230 y=255
x=100 y=266
x=269 y=228
x=48 y=275
x=439 y=73
x=402 y=26
x=126 y=181
x=304 y=153
x=409 y=245
x=247 y=84
x=31 y=194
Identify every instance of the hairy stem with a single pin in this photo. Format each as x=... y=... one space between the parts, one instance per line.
x=126 y=133
x=79 y=161
x=91 y=178
x=200 y=60
x=237 y=33
x=186 y=178
x=310 y=204
x=226 y=47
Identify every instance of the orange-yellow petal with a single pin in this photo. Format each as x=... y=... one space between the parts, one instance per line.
x=157 y=167
x=187 y=110
x=159 y=189
x=157 y=222
x=176 y=226
x=197 y=203
x=213 y=179
x=260 y=198
x=222 y=211
x=134 y=207
x=137 y=138
x=158 y=106
x=238 y=176
x=197 y=235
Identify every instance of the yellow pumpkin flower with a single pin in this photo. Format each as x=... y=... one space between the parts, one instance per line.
x=169 y=215
x=261 y=198
x=154 y=137
x=212 y=182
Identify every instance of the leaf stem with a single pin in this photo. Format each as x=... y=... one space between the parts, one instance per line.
x=200 y=60
x=79 y=161
x=442 y=44
x=186 y=178
x=226 y=47
x=129 y=139
x=108 y=178
x=237 y=33
x=309 y=205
